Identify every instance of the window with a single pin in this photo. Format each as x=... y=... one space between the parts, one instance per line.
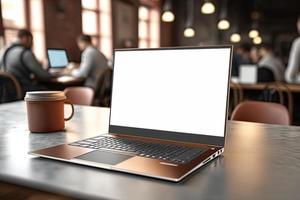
x=15 y=17
x=96 y=22
x=37 y=28
x=149 y=27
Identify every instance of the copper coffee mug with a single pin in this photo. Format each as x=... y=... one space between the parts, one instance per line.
x=45 y=111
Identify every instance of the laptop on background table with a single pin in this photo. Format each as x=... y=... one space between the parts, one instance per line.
x=57 y=59
x=248 y=74
x=167 y=118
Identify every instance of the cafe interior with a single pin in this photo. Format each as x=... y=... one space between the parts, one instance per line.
x=59 y=64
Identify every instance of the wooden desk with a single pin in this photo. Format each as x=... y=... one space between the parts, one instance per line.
x=62 y=82
x=260 y=162
x=289 y=90
x=261 y=86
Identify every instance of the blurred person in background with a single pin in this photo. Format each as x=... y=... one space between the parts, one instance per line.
x=254 y=55
x=241 y=56
x=270 y=61
x=19 y=60
x=292 y=74
x=93 y=62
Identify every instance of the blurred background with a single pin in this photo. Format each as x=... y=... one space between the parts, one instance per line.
x=150 y=23
x=263 y=33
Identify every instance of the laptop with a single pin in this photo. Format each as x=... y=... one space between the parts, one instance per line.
x=248 y=74
x=58 y=60
x=167 y=118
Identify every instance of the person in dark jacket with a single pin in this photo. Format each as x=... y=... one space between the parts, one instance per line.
x=19 y=60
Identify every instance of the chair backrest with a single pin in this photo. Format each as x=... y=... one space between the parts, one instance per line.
x=261 y=112
x=265 y=75
x=11 y=89
x=103 y=93
x=80 y=95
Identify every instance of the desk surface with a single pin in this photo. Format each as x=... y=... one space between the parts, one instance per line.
x=60 y=83
x=66 y=80
x=260 y=162
x=262 y=86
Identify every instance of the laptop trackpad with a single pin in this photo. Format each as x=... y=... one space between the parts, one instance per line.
x=104 y=157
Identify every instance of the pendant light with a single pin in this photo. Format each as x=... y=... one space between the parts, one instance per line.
x=235 y=37
x=223 y=23
x=253 y=33
x=257 y=40
x=208 y=7
x=189 y=30
x=168 y=15
x=254 y=30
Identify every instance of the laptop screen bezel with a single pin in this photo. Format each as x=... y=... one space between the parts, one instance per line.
x=170 y=135
x=60 y=49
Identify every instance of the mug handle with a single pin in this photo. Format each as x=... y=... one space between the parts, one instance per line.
x=72 y=113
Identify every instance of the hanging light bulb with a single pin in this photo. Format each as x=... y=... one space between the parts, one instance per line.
x=223 y=24
x=257 y=40
x=189 y=32
x=253 y=33
x=235 y=38
x=208 y=8
x=168 y=16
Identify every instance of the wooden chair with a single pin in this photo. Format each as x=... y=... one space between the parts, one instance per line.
x=8 y=77
x=103 y=91
x=261 y=112
x=80 y=95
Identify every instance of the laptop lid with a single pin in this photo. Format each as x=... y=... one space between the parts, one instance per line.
x=248 y=74
x=57 y=58
x=171 y=93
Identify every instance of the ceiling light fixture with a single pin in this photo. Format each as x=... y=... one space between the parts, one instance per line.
x=189 y=32
x=167 y=15
x=257 y=40
x=208 y=7
x=253 y=33
x=235 y=38
x=223 y=24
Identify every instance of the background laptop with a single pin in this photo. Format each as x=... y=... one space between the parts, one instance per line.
x=167 y=118
x=58 y=59
x=248 y=74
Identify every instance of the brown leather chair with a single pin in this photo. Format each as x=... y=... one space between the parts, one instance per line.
x=261 y=112
x=10 y=79
x=80 y=95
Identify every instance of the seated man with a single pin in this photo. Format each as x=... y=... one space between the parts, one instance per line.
x=292 y=74
x=93 y=62
x=270 y=61
x=241 y=56
x=19 y=60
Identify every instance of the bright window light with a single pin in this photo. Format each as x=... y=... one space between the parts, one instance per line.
x=143 y=13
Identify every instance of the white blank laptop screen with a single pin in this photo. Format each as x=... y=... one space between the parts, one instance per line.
x=181 y=90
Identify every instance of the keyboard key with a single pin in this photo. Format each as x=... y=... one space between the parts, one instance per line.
x=168 y=152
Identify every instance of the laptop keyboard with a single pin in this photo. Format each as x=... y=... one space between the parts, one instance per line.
x=166 y=152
